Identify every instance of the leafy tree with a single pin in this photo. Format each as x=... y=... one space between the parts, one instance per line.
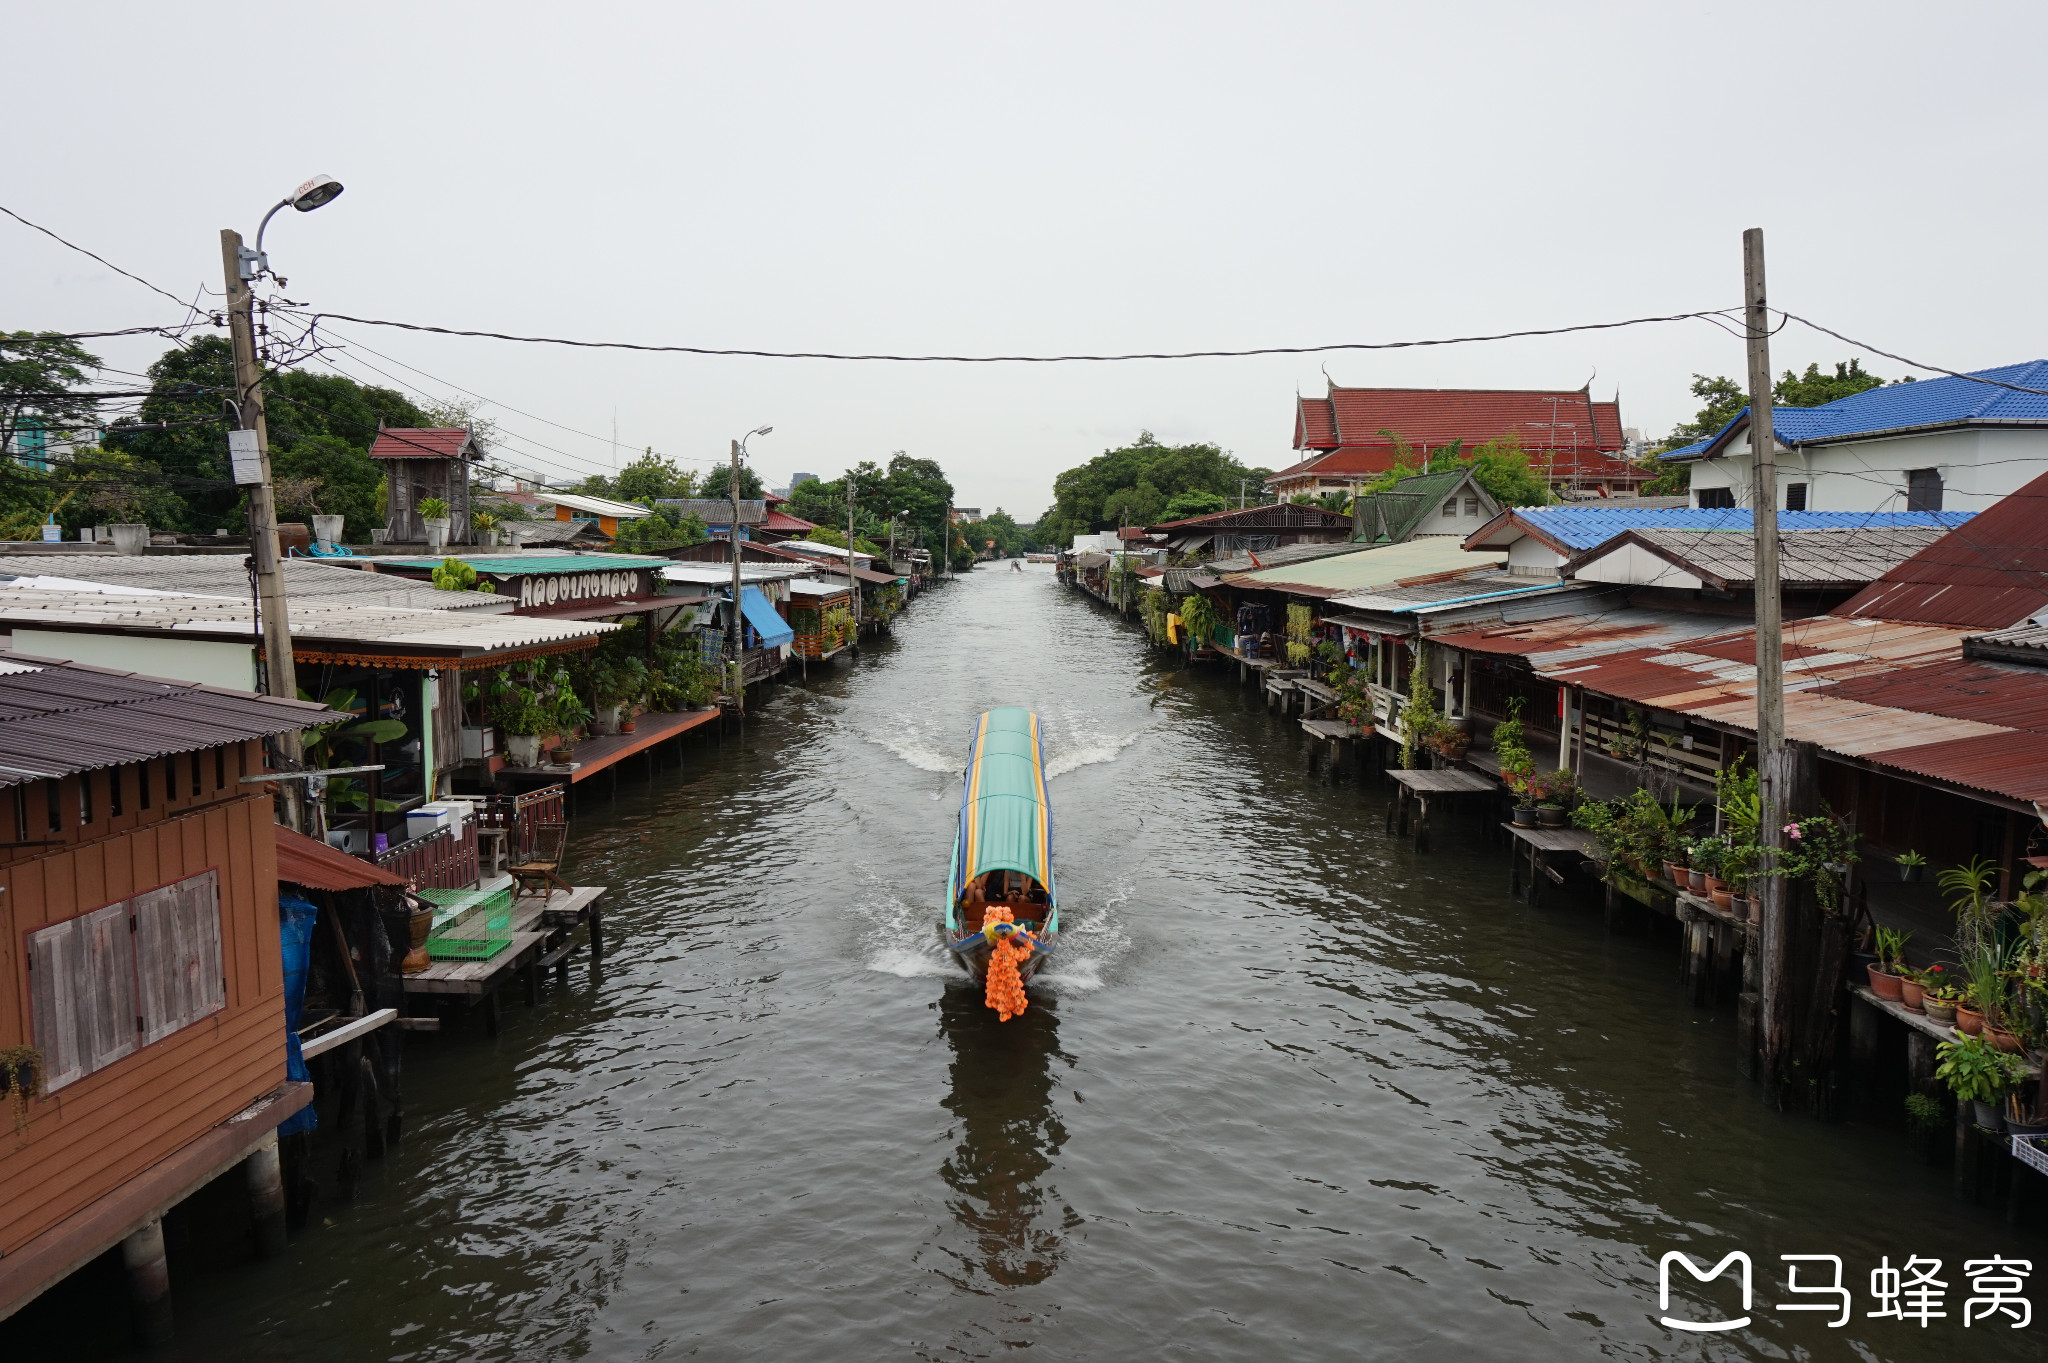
x=1723 y=396
x=1138 y=505
x=1500 y=466
x=1195 y=501
x=1813 y=388
x=332 y=477
x=918 y=487
x=665 y=527
x=1000 y=526
x=39 y=377
x=598 y=485
x=825 y=534
x=1086 y=496
x=652 y=477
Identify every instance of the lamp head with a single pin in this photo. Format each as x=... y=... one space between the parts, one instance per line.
x=321 y=189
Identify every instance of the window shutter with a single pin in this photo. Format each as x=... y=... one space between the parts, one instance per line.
x=177 y=954
x=83 y=995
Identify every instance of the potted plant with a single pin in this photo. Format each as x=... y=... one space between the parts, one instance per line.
x=434 y=516
x=1987 y=998
x=1528 y=789
x=1891 y=949
x=1978 y=1074
x=1912 y=990
x=525 y=721
x=1911 y=866
x=21 y=1079
x=1938 y=996
x=1558 y=792
x=1707 y=855
x=486 y=527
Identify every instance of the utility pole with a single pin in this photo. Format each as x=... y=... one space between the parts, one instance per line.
x=851 y=585
x=946 y=534
x=1775 y=1002
x=280 y=677
x=733 y=651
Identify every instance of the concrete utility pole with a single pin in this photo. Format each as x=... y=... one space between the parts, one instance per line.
x=851 y=585
x=280 y=676
x=733 y=637
x=1772 y=776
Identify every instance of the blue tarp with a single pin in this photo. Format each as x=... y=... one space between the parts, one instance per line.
x=296 y=936
x=760 y=613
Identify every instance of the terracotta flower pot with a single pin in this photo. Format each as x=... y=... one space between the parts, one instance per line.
x=626 y=725
x=1942 y=1011
x=1723 y=898
x=1883 y=985
x=1913 y=994
x=1675 y=872
x=1696 y=880
x=2002 y=1039
x=1969 y=1021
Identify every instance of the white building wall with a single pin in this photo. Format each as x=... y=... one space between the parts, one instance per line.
x=208 y=662
x=1635 y=566
x=1531 y=557
x=1978 y=465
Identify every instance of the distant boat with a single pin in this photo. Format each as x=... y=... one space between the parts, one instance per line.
x=1002 y=855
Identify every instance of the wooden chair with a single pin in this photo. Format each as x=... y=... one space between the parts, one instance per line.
x=535 y=870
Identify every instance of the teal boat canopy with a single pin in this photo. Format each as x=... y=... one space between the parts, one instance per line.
x=1005 y=819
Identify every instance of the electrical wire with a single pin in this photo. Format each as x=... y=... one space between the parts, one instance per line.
x=1916 y=364
x=100 y=258
x=1014 y=359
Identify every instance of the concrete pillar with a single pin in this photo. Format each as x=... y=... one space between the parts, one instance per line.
x=266 y=1196
x=149 y=1284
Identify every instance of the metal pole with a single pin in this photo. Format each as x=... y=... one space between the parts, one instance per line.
x=732 y=635
x=280 y=677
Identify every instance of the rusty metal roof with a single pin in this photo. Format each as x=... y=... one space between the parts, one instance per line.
x=1989 y=574
x=1895 y=693
x=2026 y=643
x=59 y=719
x=313 y=864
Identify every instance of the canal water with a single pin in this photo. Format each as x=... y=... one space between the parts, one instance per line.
x=1289 y=1091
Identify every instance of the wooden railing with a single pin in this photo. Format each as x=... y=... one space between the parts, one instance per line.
x=519 y=815
x=442 y=860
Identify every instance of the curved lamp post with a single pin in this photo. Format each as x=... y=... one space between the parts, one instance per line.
x=732 y=638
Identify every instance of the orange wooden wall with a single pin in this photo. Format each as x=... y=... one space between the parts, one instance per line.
x=89 y=1137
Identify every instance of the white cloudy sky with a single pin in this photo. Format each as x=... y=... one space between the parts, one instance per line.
x=1037 y=178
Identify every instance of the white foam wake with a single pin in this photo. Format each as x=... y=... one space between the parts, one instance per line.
x=1088 y=753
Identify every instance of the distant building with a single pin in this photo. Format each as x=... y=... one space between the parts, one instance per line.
x=797 y=480
x=1947 y=444
x=963 y=514
x=1572 y=441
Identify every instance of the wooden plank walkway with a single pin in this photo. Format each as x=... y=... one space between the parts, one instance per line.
x=1333 y=729
x=1419 y=788
x=539 y=929
x=1537 y=846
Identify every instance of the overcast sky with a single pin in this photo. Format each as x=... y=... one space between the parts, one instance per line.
x=1036 y=178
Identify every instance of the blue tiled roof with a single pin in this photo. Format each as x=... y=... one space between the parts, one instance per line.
x=1583 y=527
x=1902 y=406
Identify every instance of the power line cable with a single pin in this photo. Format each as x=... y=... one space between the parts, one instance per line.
x=1011 y=359
x=100 y=258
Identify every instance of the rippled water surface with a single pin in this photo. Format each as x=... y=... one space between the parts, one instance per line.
x=1290 y=1091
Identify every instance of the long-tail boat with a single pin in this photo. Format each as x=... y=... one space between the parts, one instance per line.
x=1002 y=856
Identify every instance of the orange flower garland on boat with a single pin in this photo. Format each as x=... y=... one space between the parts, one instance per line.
x=1005 y=992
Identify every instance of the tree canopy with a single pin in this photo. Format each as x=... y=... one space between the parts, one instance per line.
x=1500 y=466
x=1724 y=397
x=916 y=486
x=1139 y=483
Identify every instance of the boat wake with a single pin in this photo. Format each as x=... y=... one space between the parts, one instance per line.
x=918 y=749
x=1088 y=753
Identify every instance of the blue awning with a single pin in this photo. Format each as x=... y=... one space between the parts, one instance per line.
x=760 y=613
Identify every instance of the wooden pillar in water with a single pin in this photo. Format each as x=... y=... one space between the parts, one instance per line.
x=149 y=1284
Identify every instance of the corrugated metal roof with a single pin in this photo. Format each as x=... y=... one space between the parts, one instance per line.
x=1272 y=516
x=1381 y=566
x=1428 y=596
x=1989 y=574
x=1581 y=527
x=313 y=864
x=534 y=561
x=596 y=506
x=716 y=573
x=59 y=719
x=1274 y=558
x=460 y=633
x=1894 y=693
x=304 y=580
x=2026 y=643
x=716 y=510
x=1806 y=558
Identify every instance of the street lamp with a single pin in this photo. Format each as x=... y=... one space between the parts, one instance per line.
x=249 y=455
x=315 y=193
x=732 y=635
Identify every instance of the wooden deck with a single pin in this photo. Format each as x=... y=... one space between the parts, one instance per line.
x=1537 y=846
x=542 y=935
x=1333 y=729
x=594 y=755
x=1421 y=788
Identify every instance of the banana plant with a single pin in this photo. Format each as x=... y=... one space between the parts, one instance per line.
x=349 y=728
